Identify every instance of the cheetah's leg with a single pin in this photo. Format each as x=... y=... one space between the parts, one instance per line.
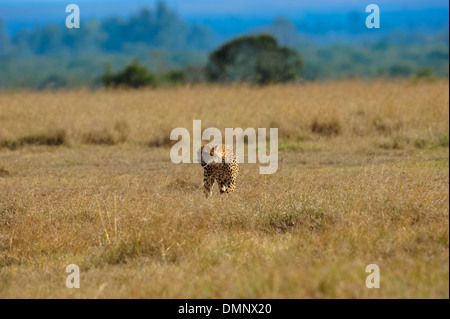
x=223 y=181
x=231 y=186
x=208 y=181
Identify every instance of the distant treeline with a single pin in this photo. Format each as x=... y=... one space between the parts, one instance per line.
x=175 y=51
x=250 y=59
x=158 y=28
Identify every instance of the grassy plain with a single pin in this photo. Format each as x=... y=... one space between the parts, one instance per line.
x=86 y=179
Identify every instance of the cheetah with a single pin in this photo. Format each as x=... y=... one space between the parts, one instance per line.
x=221 y=166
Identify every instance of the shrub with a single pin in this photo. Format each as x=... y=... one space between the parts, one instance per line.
x=161 y=141
x=426 y=72
x=327 y=128
x=54 y=137
x=442 y=140
x=134 y=75
x=175 y=77
x=99 y=137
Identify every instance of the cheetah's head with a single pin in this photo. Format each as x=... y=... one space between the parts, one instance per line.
x=209 y=155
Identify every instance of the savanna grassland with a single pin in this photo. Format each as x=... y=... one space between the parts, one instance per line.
x=86 y=179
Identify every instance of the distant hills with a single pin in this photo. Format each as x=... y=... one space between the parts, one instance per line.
x=333 y=44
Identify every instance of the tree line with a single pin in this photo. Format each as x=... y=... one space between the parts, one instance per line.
x=252 y=59
x=172 y=51
x=157 y=28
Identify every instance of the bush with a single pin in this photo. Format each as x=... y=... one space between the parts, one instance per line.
x=134 y=75
x=331 y=128
x=254 y=59
x=99 y=137
x=53 y=137
x=161 y=141
x=175 y=77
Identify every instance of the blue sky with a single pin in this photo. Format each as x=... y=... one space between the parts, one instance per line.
x=40 y=10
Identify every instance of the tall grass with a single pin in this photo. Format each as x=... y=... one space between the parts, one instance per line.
x=374 y=111
x=363 y=178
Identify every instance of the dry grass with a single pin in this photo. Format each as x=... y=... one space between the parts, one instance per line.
x=375 y=190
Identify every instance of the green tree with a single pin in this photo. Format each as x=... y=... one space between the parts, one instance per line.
x=254 y=59
x=134 y=75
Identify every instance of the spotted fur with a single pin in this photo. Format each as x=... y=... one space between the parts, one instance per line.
x=221 y=166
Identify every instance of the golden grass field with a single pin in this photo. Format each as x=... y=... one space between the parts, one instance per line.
x=86 y=179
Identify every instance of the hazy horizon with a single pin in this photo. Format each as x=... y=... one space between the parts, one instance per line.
x=331 y=36
x=44 y=10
